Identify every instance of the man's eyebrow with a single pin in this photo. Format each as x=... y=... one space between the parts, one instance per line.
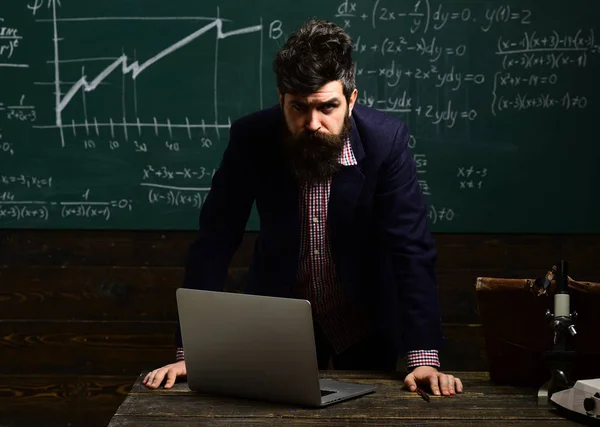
x=334 y=100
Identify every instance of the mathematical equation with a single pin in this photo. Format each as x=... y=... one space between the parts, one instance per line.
x=552 y=60
x=19 y=112
x=443 y=214
x=549 y=51
x=447 y=116
x=393 y=75
x=400 y=36
x=11 y=209
x=531 y=80
x=421 y=47
x=169 y=197
x=27 y=181
x=163 y=172
x=532 y=41
x=470 y=177
x=524 y=101
x=425 y=16
x=23 y=212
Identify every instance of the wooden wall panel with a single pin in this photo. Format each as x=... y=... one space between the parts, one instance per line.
x=85 y=348
x=143 y=293
x=104 y=248
x=169 y=248
x=89 y=293
x=95 y=293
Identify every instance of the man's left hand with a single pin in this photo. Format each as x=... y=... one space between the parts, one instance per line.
x=440 y=383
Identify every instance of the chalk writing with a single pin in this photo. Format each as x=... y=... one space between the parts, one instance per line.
x=5 y=146
x=447 y=116
x=552 y=50
x=10 y=40
x=6 y=196
x=424 y=187
x=22 y=210
x=20 y=111
x=426 y=16
x=505 y=14
x=165 y=173
x=26 y=181
x=530 y=80
x=532 y=41
x=552 y=60
x=422 y=47
x=394 y=75
x=92 y=210
x=443 y=214
x=404 y=104
x=421 y=162
x=470 y=177
x=524 y=101
x=139 y=124
x=35 y=5
x=185 y=197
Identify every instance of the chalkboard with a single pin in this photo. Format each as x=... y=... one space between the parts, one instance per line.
x=115 y=114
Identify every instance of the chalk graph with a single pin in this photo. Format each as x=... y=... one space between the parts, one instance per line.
x=134 y=68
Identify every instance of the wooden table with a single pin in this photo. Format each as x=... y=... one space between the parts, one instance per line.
x=482 y=403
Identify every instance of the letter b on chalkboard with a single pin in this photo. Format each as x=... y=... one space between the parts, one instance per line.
x=275 y=30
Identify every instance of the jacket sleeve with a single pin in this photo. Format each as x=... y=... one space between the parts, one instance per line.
x=405 y=233
x=223 y=217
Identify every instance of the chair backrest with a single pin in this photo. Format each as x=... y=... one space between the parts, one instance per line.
x=517 y=333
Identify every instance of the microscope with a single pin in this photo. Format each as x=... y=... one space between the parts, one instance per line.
x=560 y=357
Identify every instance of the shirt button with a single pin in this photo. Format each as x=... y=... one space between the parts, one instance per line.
x=316 y=252
x=315 y=219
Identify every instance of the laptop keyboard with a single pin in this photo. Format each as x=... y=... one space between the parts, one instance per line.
x=327 y=392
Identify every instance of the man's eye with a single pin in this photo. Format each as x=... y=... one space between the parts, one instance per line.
x=298 y=107
x=328 y=107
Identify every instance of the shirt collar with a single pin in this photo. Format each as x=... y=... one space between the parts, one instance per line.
x=347 y=155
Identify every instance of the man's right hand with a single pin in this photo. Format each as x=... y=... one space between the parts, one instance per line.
x=170 y=372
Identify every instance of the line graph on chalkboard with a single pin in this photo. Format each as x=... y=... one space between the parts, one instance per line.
x=74 y=110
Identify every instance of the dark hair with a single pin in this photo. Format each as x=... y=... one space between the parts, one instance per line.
x=317 y=53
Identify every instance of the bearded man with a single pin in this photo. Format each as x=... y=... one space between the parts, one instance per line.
x=343 y=222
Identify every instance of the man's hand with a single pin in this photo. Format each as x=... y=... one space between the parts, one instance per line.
x=448 y=384
x=171 y=372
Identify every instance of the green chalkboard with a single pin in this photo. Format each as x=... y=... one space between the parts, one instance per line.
x=114 y=114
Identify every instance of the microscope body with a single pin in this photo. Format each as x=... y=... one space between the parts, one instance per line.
x=560 y=357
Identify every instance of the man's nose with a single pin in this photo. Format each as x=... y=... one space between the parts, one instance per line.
x=313 y=122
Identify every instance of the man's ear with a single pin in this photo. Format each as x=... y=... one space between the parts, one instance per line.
x=281 y=98
x=352 y=100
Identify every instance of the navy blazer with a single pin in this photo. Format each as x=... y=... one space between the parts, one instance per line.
x=383 y=251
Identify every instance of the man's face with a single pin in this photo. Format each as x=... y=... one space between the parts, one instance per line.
x=316 y=127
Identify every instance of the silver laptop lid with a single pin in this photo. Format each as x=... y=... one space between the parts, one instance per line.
x=249 y=346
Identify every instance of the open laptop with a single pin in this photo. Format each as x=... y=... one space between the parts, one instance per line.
x=255 y=347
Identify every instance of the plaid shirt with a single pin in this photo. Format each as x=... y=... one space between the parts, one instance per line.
x=343 y=323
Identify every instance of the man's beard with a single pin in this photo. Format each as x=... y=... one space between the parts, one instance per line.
x=314 y=156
